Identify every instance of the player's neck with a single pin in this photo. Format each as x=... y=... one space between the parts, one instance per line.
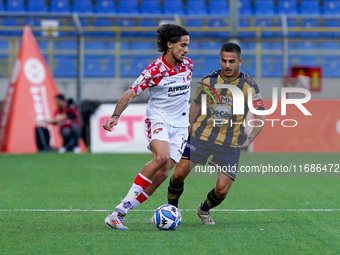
x=170 y=60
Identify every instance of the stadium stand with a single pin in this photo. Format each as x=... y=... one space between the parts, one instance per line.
x=83 y=6
x=245 y=7
x=219 y=7
x=331 y=7
x=105 y=6
x=308 y=46
x=15 y=6
x=37 y=6
x=65 y=67
x=173 y=7
x=60 y=6
x=218 y=23
x=196 y=7
x=93 y=68
x=102 y=22
x=128 y=6
x=265 y=7
x=151 y=7
x=310 y=7
x=288 y=7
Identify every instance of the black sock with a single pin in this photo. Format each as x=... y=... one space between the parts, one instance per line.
x=174 y=192
x=211 y=201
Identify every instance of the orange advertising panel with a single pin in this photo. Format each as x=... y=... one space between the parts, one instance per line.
x=296 y=132
x=29 y=100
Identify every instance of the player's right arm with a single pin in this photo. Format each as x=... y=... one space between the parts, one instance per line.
x=123 y=102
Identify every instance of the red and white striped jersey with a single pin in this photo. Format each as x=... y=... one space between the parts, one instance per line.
x=169 y=91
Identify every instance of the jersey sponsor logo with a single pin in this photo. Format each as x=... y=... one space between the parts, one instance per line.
x=168 y=83
x=258 y=96
x=178 y=88
x=179 y=94
x=156 y=131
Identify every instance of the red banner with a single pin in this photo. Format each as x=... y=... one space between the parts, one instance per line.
x=296 y=132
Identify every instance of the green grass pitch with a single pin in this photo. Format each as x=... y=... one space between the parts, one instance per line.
x=92 y=182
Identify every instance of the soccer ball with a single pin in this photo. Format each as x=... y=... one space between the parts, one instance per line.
x=167 y=217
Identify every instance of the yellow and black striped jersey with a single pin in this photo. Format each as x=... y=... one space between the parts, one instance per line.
x=219 y=106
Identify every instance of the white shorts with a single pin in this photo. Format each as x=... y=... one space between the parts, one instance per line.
x=175 y=136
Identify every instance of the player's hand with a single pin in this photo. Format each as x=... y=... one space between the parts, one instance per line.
x=110 y=123
x=246 y=142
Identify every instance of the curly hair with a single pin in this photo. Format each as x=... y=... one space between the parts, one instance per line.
x=169 y=33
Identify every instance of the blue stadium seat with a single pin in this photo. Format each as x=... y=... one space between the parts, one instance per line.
x=69 y=49
x=309 y=23
x=307 y=45
x=331 y=7
x=94 y=45
x=126 y=23
x=105 y=6
x=93 y=68
x=211 y=45
x=110 y=67
x=84 y=23
x=195 y=23
x=249 y=64
x=330 y=46
x=33 y=22
x=266 y=46
x=60 y=6
x=65 y=67
x=264 y=7
x=37 y=6
x=125 y=45
x=198 y=61
x=244 y=23
x=210 y=64
x=148 y=23
x=83 y=6
x=4 y=46
x=245 y=7
x=173 y=7
x=197 y=7
x=331 y=66
x=219 y=7
x=271 y=66
x=128 y=6
x=194 y=46
x=307 y=60
x=2 y=6
x=143 y=46
x=16 y=6
x=125 y=65
x=310 y=7
x=43 y=45
x=331 y=23
x=216 y=23
x=151 y=7
x=102 y=22
x=10 y=22
x=288 y=7
x=264 y=23
x=139 y=64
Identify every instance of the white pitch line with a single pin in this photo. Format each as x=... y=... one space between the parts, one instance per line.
x=185 y=210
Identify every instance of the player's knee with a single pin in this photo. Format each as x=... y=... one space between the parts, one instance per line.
x=161 y=159
x=177 y=176
x=222 y=191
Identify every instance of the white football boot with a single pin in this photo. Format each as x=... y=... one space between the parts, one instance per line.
x=116 y=221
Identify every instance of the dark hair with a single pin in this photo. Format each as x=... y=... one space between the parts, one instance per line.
x=231 y=47
x=60 y=96
x=169 y=33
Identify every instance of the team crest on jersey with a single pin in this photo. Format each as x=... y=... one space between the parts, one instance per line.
x=156 y=131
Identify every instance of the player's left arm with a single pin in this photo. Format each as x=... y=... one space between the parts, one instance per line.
x=259 y=120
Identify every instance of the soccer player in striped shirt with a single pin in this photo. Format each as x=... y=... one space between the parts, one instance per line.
x=168 y=81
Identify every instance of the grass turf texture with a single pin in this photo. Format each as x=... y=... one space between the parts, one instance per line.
x=53 y=181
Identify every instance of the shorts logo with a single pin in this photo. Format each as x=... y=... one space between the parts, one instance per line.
x=156 y=131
